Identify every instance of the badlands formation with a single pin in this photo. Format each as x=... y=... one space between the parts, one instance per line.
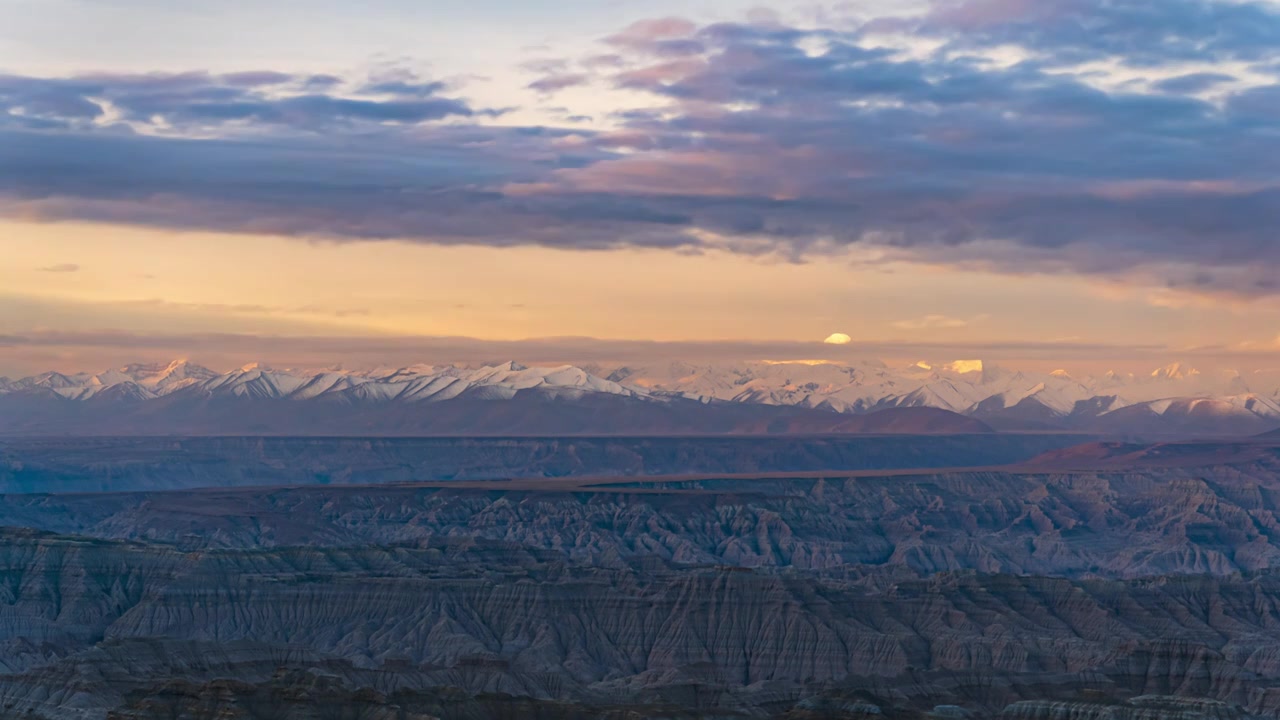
x=1104 y=581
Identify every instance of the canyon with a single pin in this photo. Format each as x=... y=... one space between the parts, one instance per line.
x=1102 y=580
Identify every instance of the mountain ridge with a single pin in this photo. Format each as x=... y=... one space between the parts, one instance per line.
x=1174 y=400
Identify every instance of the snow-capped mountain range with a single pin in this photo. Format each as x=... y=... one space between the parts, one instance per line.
x=1174 y=399
x=419 y=383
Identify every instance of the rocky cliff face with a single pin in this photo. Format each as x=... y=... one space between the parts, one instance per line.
x=1028 y=595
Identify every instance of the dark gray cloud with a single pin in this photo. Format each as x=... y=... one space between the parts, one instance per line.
x=257 y=78
x=951 y=157
x=1139 y=31
x=407 y=88
x=199 y=100
x=320 y=82
x=439 y=186
x=758 y=138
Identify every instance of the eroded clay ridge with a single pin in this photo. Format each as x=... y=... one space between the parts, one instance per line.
x=882 y=594
x=91 y=626
x=1119 y=523
x=1064 y=587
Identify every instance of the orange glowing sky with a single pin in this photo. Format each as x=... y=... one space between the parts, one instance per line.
x=707 y=176
x=155 y=282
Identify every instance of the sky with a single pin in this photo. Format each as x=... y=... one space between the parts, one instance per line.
x=1065 y=183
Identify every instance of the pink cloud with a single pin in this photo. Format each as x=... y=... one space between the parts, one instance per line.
x=655 y=29
x=1129 y=189
x=554 y=83
x=662 y=73
x=758 y=170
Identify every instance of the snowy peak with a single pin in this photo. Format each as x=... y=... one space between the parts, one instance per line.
x=1007 y=398
x=167 y=377
x=324 y=383
x=257 y=381
x=1174 y=371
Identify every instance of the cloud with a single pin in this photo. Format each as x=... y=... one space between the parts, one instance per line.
x=931 y=322
x=992 y=134
x=1140 y=32
x=60 y=268
x=176 y=102
x=369 y=187
x=257 y=78
x=319 y=82
x=561 y=81
x=838 y=339
x=965 y=366
x=26 y=353
x=669 y=36
x=403 y=87
x=550 y=349
x=240 y=308
x=556 y=74
x=1193 y=82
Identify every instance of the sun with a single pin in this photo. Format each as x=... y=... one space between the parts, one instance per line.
x=838 y=339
